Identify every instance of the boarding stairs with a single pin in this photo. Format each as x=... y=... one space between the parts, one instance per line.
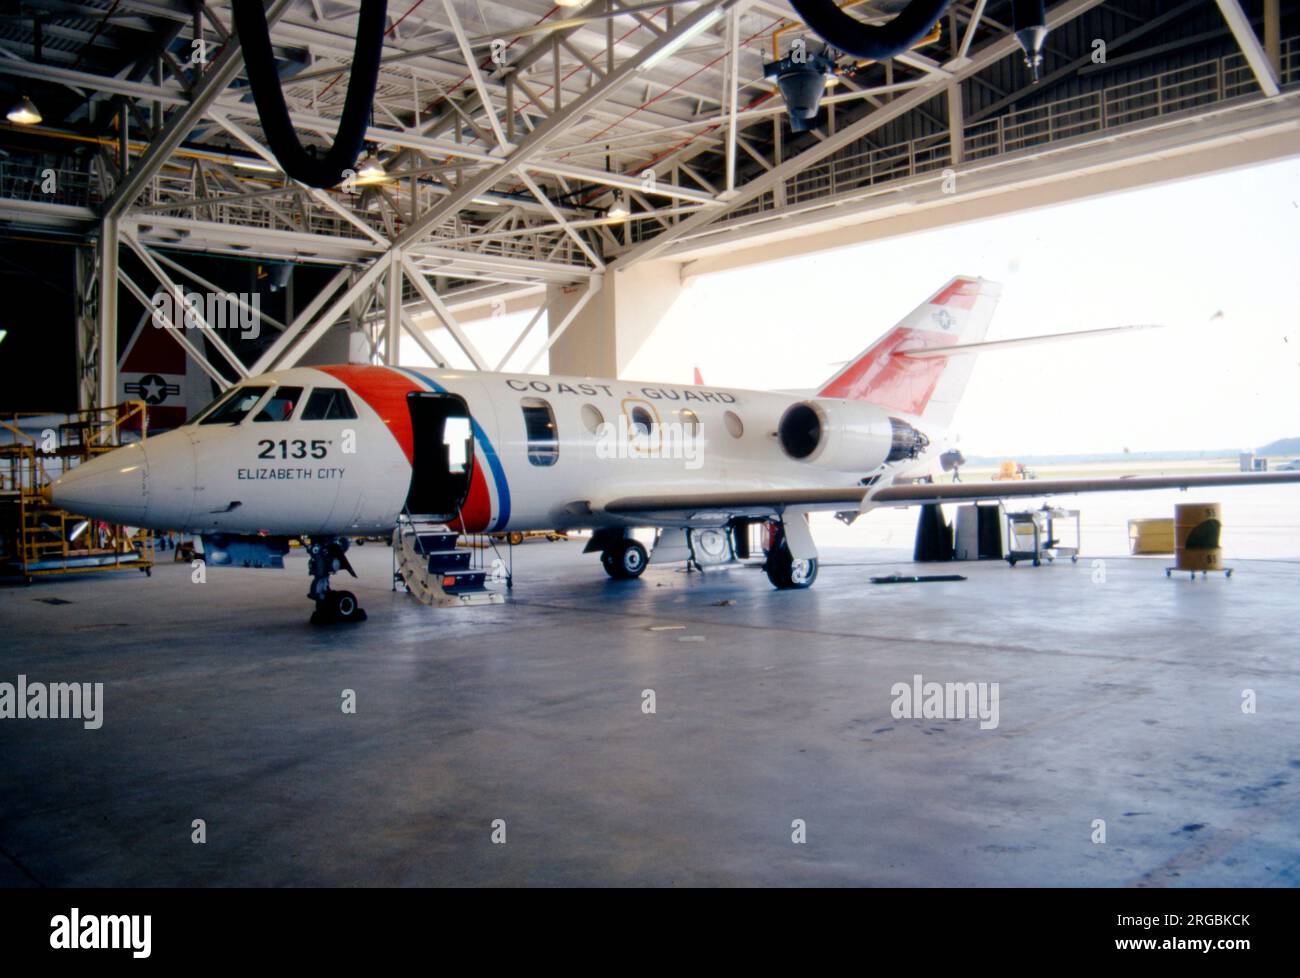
x=436 y=572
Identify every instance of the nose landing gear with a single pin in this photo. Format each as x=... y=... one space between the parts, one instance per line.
x=325 y=558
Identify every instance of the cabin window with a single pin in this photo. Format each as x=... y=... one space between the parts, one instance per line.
x=592 y=418
x=329 y=404
x=641 y=420
x=235 y=407
x=280 y=405
x=543 y=436
x=690 y=422
x=734 y=426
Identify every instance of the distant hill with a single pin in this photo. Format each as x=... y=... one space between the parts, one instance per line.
x=1283 y=446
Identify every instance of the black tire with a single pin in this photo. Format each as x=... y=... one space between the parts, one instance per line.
x=626 y=562
x=786 y=573
x=338 y=607
x=515 y=538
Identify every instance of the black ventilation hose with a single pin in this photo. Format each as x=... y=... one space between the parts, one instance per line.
x=259 y=61
x=847 y=34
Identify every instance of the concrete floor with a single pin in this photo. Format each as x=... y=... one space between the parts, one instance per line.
x=1118 y=701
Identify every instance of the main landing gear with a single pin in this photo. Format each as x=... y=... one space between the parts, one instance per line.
x=622 y=557
x=625 y=561
x=324 y=558
x=783 y=570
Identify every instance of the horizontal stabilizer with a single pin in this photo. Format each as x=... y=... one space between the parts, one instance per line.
x=960 y=348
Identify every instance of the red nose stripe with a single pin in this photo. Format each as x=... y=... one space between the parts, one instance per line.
x=385 y=391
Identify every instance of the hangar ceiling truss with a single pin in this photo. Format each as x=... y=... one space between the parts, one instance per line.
x=526 y=144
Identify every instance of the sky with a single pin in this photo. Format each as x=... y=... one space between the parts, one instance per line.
x=1174 y=254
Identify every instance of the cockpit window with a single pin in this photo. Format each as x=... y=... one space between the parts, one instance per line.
x=328 y=404
x=235 y=407
x=211 y=406
x=280 y=405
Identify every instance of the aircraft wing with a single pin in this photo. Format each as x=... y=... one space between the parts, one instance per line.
x=767 y=501
x=952 y=492
x=745 y=502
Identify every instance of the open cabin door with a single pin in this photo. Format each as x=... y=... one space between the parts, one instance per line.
x=443 y=441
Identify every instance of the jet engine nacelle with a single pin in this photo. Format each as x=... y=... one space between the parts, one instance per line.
x=848 y=436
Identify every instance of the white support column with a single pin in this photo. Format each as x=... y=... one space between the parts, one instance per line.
x=956 y=124
x=594 y=285
x=393 y=312
x=1273 y=35
x=732 y=93
x=603 y=338
x=106 y=359
x=1248 y=41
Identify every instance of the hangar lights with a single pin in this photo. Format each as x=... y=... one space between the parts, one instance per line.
x=370 y=172
x=802 y=80
x=681 y=40
x=618 y=211
x=24 y=112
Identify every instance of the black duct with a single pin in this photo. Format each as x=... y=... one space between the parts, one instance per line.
x=259 y=61
x=851 y=36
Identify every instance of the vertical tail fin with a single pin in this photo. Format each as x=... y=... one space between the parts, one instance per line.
x=929 y=388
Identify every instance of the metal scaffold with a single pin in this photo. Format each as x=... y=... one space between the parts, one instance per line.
x=38 y=538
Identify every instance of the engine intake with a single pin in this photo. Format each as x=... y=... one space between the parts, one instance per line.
x=846 y=436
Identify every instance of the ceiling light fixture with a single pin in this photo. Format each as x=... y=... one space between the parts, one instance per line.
x=24 y=112
x=618 y=211
x=259 y=166
x=681 y=40
x=370 y=171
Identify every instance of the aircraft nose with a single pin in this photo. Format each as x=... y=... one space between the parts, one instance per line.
x=109 y=488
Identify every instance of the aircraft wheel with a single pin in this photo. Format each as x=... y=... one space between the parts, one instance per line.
x=785 y=572
x=338 y=607
x=627 y=562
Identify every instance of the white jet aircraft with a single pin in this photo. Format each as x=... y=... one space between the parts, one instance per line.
x=328 y=453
